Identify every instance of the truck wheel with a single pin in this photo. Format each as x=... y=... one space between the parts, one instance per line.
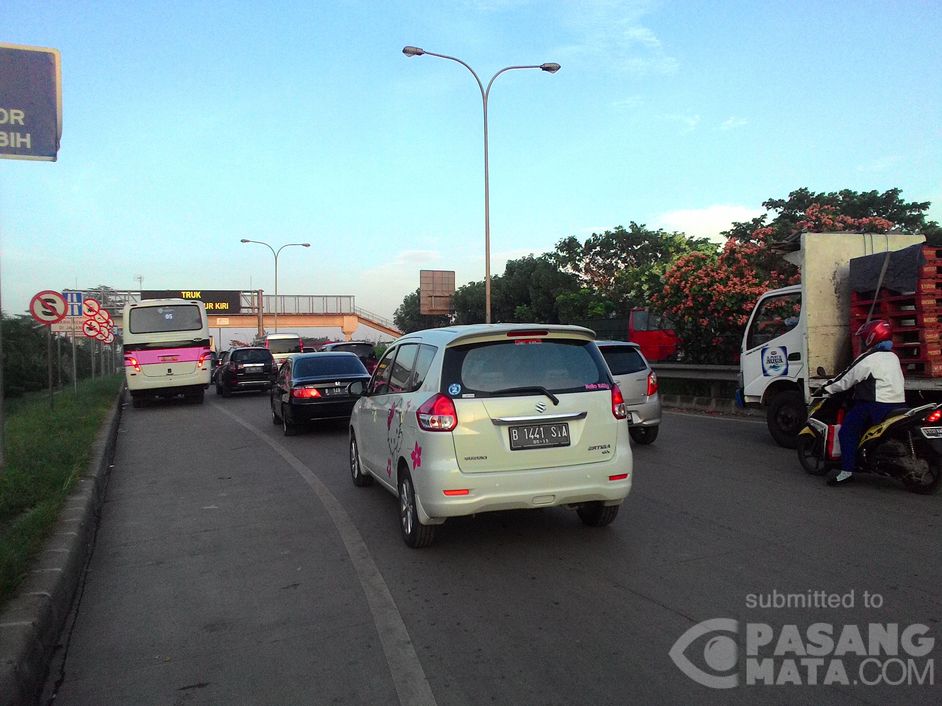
x=786 y=416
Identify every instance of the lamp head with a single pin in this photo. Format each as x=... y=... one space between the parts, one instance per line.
x=412 y=51
x=550 y=68
x=245 y=240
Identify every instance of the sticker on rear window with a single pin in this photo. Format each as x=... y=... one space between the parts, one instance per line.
x=598 y=386
x=527 y=341
x=454 y=389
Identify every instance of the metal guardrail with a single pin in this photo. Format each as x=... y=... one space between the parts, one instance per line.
x=688 y=371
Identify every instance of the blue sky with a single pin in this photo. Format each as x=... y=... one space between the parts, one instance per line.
x=190 y=125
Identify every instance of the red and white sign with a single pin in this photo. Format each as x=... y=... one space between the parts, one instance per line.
x=48 y=307
x=98 y=323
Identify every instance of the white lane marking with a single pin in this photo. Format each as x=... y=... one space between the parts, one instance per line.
x=404 y=666
x=714 y=416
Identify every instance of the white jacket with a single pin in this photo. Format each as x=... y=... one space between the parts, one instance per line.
x=876 y=376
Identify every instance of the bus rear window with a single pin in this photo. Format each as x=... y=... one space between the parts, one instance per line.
x=164 y=319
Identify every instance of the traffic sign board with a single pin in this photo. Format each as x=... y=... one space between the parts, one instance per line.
x=31 y=112
x=48 y=307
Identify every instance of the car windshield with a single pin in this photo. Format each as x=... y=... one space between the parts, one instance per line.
x=252 y=355
x=161 y=319
x=623 y=359
x=328 y=365
x=556 y=365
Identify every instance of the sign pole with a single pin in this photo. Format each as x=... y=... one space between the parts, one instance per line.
x=2 y=420
x=74 y=361
x=49 y=363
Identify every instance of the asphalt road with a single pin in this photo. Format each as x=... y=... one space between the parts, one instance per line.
x=234 y=565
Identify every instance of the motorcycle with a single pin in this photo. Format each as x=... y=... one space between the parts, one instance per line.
x=907 y=445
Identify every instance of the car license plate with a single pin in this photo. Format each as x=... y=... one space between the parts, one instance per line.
x=538 y=436
x=932 y=432
x=334 y=391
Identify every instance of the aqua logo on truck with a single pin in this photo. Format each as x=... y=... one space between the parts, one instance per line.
x=774 y=361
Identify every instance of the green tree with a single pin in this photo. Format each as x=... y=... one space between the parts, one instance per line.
x=408 y=317
x=867 y=211
x=24 y=355
x=625 y=266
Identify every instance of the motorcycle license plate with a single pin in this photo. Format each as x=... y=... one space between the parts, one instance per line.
x=932 y=432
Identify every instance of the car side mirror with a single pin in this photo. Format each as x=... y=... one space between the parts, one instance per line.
x=822 y=373
x=356 y=388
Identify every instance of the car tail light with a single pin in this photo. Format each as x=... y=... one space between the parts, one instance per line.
x=618 y=476
x=132 y=361
x=934 y=416
x=305 y=393
x=232 y=366
x=652 y=383
x=527 y=333
x=456 y=491
x=618 y=404
x=437 y=414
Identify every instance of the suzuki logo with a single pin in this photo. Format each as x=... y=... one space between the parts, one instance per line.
x=541 y=407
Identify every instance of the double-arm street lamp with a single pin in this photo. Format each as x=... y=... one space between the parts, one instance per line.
x=485 y=92
x=275 y=253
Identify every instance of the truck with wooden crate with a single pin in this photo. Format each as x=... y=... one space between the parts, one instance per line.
x=799 y=336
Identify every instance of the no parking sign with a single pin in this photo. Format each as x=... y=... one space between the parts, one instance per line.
x=47 y=307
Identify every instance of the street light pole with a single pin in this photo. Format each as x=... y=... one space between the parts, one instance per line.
x=275 y=254
x=551 y=68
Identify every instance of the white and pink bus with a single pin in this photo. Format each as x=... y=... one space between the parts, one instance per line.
x=166 y=349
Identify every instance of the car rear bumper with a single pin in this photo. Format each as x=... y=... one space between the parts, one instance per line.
x=645 y=414
x=311 y=411
x=528 y=489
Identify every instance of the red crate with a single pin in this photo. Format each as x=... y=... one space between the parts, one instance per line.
x=928 y=369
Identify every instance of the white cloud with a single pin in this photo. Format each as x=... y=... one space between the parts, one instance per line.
x=880 y=164
x=688 y=123
x=733 y=122
x=706 y=222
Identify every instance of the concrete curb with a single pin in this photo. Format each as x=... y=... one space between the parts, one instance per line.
x=32 y=621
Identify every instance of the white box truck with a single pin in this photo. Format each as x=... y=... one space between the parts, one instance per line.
x=799 y=336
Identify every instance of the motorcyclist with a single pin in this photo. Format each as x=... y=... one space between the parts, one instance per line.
x=877 y=381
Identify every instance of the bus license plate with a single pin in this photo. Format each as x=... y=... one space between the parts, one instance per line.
x=539 y=436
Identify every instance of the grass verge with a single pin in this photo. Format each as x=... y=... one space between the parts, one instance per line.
x=45 y=451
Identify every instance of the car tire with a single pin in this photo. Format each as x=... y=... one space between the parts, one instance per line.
x=414 y=533
x=786 y=416
x=596 y=514
x=226 y=392
x=274 y=416
x=360 y=479
x=218 y=389
x=287 y=426
x=643 y=435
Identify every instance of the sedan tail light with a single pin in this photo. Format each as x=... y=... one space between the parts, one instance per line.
x=618 y=404
x=437 y=414
x=652 y=383
x=305 y=393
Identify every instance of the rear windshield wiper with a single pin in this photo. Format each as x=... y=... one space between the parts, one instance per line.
x=532 y=388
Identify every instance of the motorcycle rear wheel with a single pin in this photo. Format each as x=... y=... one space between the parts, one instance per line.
x=811 y=454
x=925 y=487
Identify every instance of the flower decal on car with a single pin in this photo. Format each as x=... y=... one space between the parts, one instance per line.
x=389 y=468
x=416 y=456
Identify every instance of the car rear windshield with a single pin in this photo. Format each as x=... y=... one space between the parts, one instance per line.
x=162 y=319
x=361 y=349
x=623 y=359
x=327 y=366
x=252 y=355
x=558 y=365
x=284 y=345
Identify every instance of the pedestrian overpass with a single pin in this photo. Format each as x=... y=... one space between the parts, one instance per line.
x=253 y=309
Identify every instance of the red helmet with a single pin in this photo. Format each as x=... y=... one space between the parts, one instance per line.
x=874 y=332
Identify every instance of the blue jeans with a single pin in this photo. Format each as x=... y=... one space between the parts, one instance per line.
x=858 y=419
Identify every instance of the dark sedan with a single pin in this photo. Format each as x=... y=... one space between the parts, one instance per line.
x=316 y=386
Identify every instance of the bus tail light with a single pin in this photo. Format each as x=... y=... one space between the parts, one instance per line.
x=130 y=360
